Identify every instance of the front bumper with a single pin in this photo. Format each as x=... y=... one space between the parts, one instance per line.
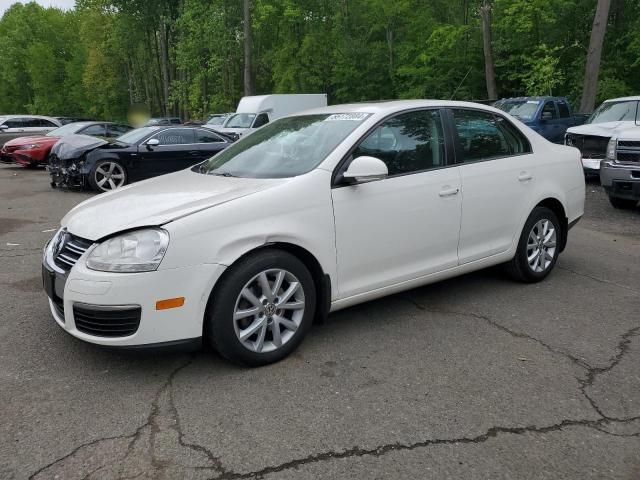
x=591 y=165
x=82 y=288
x=620 y=180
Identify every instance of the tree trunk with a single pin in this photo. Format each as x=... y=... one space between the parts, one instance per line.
x=489 y=69
x=248 y=79
x=592 y=70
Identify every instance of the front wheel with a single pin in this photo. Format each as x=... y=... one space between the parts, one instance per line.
x=538 y=247
x=622 y=203
x=107 y=175
x=262 y=308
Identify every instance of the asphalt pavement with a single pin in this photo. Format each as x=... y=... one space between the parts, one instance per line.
x=473 y=378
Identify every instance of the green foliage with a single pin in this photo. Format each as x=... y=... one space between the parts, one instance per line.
x=185 y=57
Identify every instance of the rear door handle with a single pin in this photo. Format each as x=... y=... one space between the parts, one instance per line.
x=525 y=177
x=448 y=192
x=193 y=153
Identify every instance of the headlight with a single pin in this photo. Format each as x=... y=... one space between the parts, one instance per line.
x=611 y=149
x=136 y=251
x=31 y=146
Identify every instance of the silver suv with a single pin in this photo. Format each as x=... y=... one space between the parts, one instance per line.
x=620 y=171
x=14 y=126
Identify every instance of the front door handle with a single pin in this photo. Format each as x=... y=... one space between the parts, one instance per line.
x=525 y=177
x=193 y=153
x=448 y=192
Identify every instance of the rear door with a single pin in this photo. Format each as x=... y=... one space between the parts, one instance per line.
x=498 y=174
x=176 y=151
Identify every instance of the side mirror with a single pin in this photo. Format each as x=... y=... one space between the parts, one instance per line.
x=365 y=169
x=154 y=142
x=4 y=127
x=546 y=116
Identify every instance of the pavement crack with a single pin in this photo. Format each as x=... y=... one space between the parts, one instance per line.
x=597 y=279
x=591 y=371
x=393 y=447
x=148 y=440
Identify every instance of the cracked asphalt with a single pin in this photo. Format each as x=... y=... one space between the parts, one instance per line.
x=476 y=377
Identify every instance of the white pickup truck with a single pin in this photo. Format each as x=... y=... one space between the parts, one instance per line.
x=620 y=172
x=611 y=120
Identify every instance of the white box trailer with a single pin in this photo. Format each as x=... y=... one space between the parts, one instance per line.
x=256 y=111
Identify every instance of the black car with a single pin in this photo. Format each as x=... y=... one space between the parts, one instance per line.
x=81 y=161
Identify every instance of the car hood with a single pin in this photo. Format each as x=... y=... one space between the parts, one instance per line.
x=607 y=129
x=73 y=146
x=27 y=140
x=158 y=201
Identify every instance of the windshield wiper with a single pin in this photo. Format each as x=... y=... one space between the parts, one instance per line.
x=223 y=174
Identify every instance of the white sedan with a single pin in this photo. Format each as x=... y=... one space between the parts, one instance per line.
x=310 y=214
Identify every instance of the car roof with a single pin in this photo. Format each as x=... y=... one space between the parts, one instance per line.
x=624 y=99
x=537 y=97
x=26 y=115
x=392 y=106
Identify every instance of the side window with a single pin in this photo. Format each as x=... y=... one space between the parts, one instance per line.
x=549 y=111
x=564 y=110
x=518 y=143
x=32 y=122
x=43 y=122
x=480 y=135
x=175 y=121
x=409 y=142
x=15 y=123
x=117 y=130
x=95 y=130
x=261 y=120
x=204 y=136
x=176 y=136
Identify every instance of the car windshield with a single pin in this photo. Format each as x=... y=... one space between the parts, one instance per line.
x=68 y=129
x=240 y=120
x=134 y=136
x=285 y=148
x=216 y=120
x=522 y=109
x=615 y=112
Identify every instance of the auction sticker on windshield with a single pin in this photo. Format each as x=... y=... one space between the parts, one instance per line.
x=346 y=116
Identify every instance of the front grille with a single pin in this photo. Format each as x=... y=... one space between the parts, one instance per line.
x=628 y=144
x=58 y=305
x=107 y=321
x=69 y=250
x=589 y=146
x=628 y=157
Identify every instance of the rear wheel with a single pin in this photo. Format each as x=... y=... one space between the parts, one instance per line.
x=107 y=175
x=262 y=308
x=623 y=203
x=538 y=247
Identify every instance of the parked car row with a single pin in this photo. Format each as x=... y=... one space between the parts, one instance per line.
x=33 y=151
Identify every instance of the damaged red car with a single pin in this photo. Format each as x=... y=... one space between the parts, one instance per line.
x=34 y=151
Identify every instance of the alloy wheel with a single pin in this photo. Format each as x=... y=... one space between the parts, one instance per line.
x=541 y=246
x=109 y=176
x=268 y=310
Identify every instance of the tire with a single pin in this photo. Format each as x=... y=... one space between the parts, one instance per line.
x=531 y=242
x=107 y=175
x=622 y=203
x=240 y=294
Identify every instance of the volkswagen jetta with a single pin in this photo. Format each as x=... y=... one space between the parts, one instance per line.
x=310 y=214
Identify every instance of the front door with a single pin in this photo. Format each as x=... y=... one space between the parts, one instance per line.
x=177 y=150
x=407 y=225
